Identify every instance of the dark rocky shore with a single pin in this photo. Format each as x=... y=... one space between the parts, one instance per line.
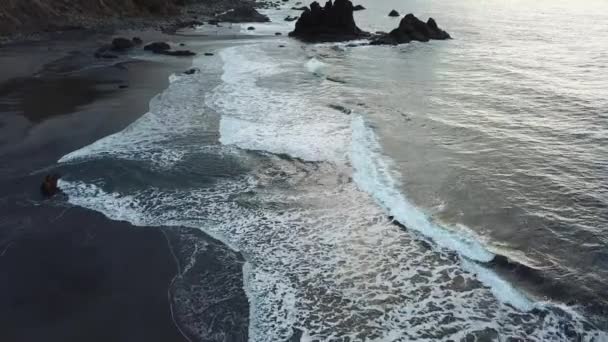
x=71 y=274
x=23 y=19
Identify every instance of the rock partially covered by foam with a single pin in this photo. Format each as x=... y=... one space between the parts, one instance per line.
x=334 y=22
x=411 y=28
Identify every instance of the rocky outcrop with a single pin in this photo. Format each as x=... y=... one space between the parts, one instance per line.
x=49 y=187
x=121 y=44
x=411 y=28
x=334 y=22
x=243 y=14
x=163 y=48
x=23 y=17
x=358 y=8
x=157 y=47
x=394 y=13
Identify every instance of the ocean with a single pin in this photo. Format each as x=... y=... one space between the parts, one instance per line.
x=450 y=190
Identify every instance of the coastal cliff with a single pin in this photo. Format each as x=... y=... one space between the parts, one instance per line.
x=32 y=16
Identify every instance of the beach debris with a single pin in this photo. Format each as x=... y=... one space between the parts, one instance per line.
x=49 y=186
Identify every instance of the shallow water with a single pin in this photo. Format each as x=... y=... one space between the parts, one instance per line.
x=297 y=156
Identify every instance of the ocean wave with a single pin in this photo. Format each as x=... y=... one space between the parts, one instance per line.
x=322 y=256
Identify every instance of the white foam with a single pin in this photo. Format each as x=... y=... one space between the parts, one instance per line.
x=321 y=254
x=373 y=174
x=152 y=136
x=315 y=66
x=276 y=121
x=502 y=289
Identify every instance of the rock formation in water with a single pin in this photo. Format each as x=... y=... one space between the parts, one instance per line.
x=243 y=14
x=334 y=22
x=49 y=187
x=394 y=13
x=411 y=28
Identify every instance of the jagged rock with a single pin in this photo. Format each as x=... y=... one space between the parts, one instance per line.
x=243 y=14
x=411 y=28
x=303 y=8
x=393 y=13
x=121 y=44
x=290 y=18
x=358 y=8
x=137 y=41
x=334 y=22
x=157 y=47
x=49 y=187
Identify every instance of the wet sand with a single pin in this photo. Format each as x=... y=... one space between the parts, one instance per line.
x=69 y=274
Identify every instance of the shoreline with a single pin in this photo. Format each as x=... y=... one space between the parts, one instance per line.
x=43 y=97
x=103 y=21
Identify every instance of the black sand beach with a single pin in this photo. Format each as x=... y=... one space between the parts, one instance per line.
x=70 y=274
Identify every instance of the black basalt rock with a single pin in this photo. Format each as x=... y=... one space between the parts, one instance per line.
x=121 y=44
x=334 y=22
x=411 y=28
x=49 y=187
x=157 y=47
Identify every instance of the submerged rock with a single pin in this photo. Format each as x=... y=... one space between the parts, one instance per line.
x=192 y=71
x=334 y=22
x=411 y=28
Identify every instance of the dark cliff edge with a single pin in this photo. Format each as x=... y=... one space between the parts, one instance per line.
x=21 y=19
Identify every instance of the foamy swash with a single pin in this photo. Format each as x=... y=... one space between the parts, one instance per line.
x=322 y=255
